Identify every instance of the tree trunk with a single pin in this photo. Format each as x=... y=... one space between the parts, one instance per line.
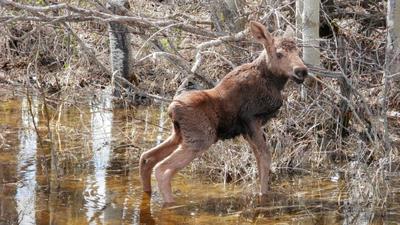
x=299 y=20
x=299 y=34
x=391 y=77
x=120 y=48
x=392 y=60
x=311 y=53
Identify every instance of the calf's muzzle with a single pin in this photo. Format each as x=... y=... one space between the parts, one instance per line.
x=300 y=73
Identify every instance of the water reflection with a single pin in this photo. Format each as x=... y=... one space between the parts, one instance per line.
x=107 y=189
x=145 y=213
x=160 y=125
x=101 y=124
x=26 y=163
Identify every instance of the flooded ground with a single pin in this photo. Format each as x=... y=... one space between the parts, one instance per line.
x=85 y=171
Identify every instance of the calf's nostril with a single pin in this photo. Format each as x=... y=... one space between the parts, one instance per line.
x=301 y=72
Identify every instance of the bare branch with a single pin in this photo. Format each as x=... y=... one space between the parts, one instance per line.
x=89 y=52
x=81 y=15
x=213 y=43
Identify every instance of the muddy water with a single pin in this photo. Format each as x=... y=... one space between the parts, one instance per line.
x=84 y=171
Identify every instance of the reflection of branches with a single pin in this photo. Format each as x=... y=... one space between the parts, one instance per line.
x=33 y=116
x=145 y=213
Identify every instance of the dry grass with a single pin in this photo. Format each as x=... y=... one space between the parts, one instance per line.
x=306 y=136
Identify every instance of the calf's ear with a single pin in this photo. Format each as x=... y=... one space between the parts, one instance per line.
x=261 y=34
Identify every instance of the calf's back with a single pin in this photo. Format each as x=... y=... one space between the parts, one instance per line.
x=249 y=92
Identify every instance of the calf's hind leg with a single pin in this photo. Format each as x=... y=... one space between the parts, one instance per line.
x=151 y=157
x=167 y=168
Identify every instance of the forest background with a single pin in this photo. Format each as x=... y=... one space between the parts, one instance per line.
x=151 y=50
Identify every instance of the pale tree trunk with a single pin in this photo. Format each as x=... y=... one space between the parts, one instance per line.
x=299 y=35
x=299 y=20
x=311 y=53
x=392 y=60
x=120 y=47
x=392 y=64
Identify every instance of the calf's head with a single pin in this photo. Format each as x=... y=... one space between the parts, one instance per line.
x=282 y=54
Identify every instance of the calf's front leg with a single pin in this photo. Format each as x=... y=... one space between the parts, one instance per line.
x=256 y=139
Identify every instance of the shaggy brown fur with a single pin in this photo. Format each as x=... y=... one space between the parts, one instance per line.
x=240 y=104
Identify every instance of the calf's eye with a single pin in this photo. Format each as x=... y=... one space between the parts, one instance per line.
x=279 y=55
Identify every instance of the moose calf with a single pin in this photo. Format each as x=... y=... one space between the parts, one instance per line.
x=244 y=100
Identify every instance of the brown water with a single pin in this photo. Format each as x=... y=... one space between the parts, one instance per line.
x=85 y=172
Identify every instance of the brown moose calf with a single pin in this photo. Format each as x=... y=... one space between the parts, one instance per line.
x=240 y=104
